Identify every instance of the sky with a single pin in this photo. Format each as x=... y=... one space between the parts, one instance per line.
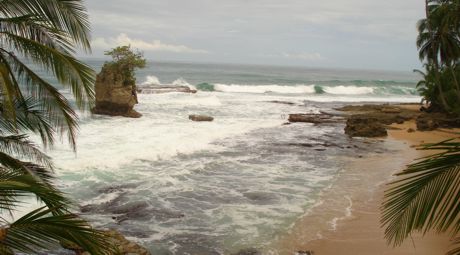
x=358 y=34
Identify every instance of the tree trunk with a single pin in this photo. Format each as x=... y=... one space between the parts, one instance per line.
x=439 y=84
x=435 y=60
x=454 y=75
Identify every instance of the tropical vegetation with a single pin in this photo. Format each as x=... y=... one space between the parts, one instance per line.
x=125 y=61
x=41 y=36
x=439 y=48
x=426 y=195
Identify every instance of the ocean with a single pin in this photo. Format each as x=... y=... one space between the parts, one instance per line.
x=241 y=181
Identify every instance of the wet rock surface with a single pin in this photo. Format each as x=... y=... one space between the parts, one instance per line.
x=114 y=98
x=314 y=118
x=121 y=245
x=199 y=118
x=432 y=121
x=363 y=126
x=160 y=89
x=372 y=120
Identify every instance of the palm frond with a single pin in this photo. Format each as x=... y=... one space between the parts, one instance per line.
x=427 y=195
x=41 y=229
x=22 y=147
x=14 y=185
x=456 y=247
x=34 y=28
x=60 y=113
x=38 y=172
x=69 y=16
x=68 y=71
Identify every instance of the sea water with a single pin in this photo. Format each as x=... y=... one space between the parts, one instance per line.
x=183 y=187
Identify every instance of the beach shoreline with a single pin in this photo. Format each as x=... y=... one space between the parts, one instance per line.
x=358 y=231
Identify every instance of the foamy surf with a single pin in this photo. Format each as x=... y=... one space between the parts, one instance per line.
x=237 y=182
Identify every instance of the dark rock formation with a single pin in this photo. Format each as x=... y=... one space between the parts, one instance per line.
x=362 y=126
x=164 y=89
x=425 y=123
x=194 y=117
x=113 y=97
x=313 y=118
x=432 y=121
x=281 y=102
x=389 y=109
x=118 y=241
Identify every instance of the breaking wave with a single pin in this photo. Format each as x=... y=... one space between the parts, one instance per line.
x=309 y=89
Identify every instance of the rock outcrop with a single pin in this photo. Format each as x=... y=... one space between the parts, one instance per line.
x=194 y=117
x=363 y=126
x=117 y=240
x=113 y=97
x=314 y=118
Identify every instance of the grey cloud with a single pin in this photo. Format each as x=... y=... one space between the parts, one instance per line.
x=352 y=33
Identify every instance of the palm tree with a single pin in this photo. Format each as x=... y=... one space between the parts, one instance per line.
x=438 y=40
x=41 y=34
x=426 y=196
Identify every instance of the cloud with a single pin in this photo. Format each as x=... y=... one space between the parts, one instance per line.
x=304 y=56
x=155 y=45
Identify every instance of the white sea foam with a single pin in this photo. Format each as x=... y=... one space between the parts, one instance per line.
x=165 y=130
x=348 y=213
x=151 y=80
x=234 y=88
x=182 y=82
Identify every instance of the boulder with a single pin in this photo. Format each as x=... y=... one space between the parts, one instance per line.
x=113 y=97
x=194 y=117
x=426 y=123
x=361 y=126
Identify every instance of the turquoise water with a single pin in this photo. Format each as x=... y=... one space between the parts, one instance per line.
x=282 y=80
x=241 y=181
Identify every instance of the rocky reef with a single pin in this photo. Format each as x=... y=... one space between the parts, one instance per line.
x=373 y=120
x=117 y=240
x=160 y=89
x=113 y=96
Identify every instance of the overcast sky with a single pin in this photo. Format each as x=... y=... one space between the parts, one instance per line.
x=367 y=34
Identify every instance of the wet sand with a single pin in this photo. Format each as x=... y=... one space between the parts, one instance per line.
x=359 y=231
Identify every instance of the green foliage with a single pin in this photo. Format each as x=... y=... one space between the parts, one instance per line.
x=125 y=61
x=433 y=80
x=47 y=34
x=439 y=45
x=426 y=196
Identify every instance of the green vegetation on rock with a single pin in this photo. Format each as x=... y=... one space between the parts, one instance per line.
x=125 y=61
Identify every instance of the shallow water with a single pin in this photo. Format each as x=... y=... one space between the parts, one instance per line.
x=241 y=181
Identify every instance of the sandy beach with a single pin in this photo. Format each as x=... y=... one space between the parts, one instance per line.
x=359 y=231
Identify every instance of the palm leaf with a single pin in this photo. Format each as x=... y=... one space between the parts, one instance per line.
x=60 y=113
x=14 y=185
x=20 y=146
x=69 y=16
x=68 y=71
x=41 y=229
x=426 y=196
